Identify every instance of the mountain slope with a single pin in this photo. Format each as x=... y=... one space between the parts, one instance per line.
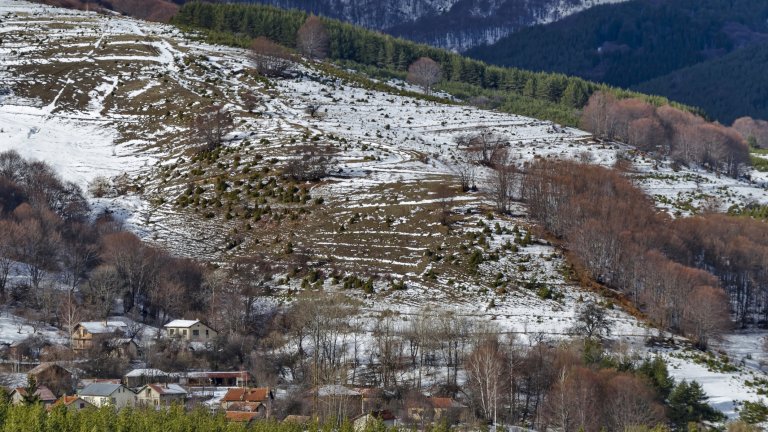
x=630 y=43
x=452 y=24
x=138 y=85
x=726 y=88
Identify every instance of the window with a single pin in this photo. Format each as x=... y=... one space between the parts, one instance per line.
x=173 y=331
x=195 y=332
x=184 y=332
x=82 y=405
x=113 y=401
x=206 y=333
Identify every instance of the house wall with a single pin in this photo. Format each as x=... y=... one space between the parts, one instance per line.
x=149 y=397
x=121 y=398
x=82 y=340
x=56 y=378
x=197 y=332
x=78 y=404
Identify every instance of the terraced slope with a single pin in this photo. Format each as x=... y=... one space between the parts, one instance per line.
x=108 y=96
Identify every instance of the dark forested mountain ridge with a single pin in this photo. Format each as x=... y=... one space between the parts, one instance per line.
x=728 y=87
x=452 y=24
x=630 y=43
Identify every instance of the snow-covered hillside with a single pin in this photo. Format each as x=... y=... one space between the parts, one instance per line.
x=105 y=96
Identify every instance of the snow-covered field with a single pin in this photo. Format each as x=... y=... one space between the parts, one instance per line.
x=106 y=96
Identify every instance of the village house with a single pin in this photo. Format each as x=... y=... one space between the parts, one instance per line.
x=86 y=333
x=337 y=401
x=139 y=377
x=366 y=421
x=436 y=409
x=123 y=347
x=160 y=395
x=215 y=379
x=372 y=398
x=190 y=331
x=85 y=382
x=106 y=394
x=53 y=376
x=44 y=394
x=256 y=400
x=73 y=403
x=241 y=416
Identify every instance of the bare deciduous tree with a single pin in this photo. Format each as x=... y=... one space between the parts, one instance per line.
x=505 y=180
x=309 y=163
x=465 y=169
x=69 y=313
x=445 y=199
x=312 y=38
x=38 y=242
x=8 y=228
x=251 y=100
x=248 y=280
x=485 y=143
x=630 y=404
x=313 y=109
x=597 y=117
x=754 y=131
x=486 y=375
x=321 y=331
x=270 y=59
x=212 y=125
x=424 y=72
x=388 y=348
x=80 y=251
x=168 y=300
x=137 y=265
x=102 y=290
x=705 y=316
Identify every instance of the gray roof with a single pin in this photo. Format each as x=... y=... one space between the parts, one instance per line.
x=103 y=327
x=146 y=373
x=99 y=389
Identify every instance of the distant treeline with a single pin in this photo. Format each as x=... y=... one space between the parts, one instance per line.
x=546 y=95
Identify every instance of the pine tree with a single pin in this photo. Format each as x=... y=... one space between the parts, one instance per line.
x=575 y=94
x=688 y=404
x=531 y=88
x=30 y=396
x=658 y=375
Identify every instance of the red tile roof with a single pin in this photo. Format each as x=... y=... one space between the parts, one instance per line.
x=69 y=400
x=244 y=406
x=260 y=394
x=444 y=402
x=241 y=416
